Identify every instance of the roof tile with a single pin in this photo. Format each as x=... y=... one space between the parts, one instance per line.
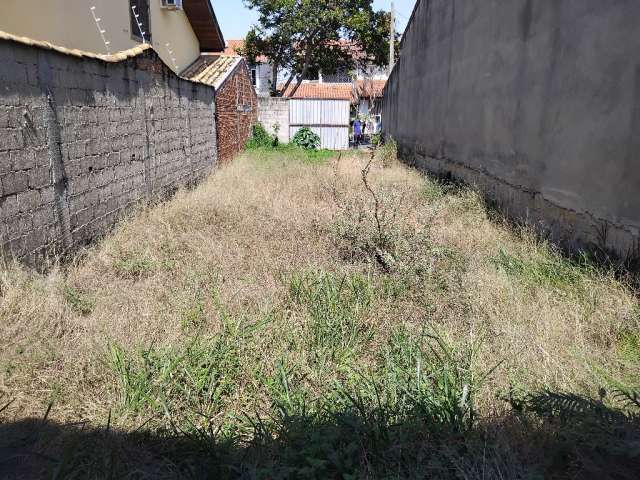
x=211 y=69
x=324 y=91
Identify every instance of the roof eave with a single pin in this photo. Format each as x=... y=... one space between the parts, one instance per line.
x=215 y=21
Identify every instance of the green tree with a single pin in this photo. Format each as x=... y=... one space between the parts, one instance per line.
x=306 y=36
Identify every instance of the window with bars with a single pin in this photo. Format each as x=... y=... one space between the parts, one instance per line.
x=140 y=20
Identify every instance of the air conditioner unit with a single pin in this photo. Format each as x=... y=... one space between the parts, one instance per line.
x=172 y=4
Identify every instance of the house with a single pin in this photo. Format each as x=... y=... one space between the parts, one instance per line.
x=370 y=95
x=363 y=70
x=325 y=108
x=178 y=30
x=261 y=70
x=236 y=100
x=366 y=82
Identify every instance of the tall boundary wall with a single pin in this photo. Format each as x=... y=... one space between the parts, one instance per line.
x=84 y=138
x=272 y=112
x=535 y=102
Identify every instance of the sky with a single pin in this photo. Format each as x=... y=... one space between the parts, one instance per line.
x=235 y=20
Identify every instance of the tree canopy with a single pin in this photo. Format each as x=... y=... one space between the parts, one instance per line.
x=304 y=37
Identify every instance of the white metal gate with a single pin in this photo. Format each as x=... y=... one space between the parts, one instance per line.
x=329 y=119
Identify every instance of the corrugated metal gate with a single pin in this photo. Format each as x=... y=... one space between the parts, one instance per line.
x=327 y=118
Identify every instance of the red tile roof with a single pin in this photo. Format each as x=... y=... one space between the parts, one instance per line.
x=324 y=91
x=371 y=88
x=233 y=46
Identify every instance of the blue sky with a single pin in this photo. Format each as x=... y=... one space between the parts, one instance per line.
x=235 y=19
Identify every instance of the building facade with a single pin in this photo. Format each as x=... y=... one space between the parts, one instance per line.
x=178 y=35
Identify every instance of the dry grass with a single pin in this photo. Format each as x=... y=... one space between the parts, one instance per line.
x=222 y=258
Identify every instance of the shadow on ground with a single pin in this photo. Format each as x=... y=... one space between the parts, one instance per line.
x=585 y=443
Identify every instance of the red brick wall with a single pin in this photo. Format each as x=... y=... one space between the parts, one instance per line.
x=233 y=126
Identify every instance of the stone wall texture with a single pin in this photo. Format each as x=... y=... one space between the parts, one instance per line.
x=236 y=112
x=536 y=102
x=272 y=112
x=83 y=140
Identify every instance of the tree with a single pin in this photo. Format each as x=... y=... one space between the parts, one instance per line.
x=307 y=36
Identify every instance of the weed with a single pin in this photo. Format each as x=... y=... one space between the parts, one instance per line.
x=193 y=315
x=188 y=383
x=629 y=346
x=438 y=380
x=306 y=139
x=371 y=227
x=342 y=375
x=287 y=396
x=79 y=301
x=260 y=138
x=387 y=153
x=293 y=152
x=433 y=190
x=550 y=270
x=336 y=306
x=133 y=265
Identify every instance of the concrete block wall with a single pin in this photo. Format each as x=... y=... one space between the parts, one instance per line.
x=83 y=140
x=275 y=111
x=537 y=102
x=236 y=112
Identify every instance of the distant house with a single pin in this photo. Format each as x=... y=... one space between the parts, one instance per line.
x=261 y=70
x=370 y=94
x=236 y=100
x=178 y=30
x=365 y=83
x=365 y=96
x=325 y=108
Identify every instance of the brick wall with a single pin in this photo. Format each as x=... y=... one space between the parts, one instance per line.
x=274 y=111
x=233 y=125
x=83 y=140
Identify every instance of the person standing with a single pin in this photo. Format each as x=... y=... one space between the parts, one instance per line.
x=357 y=131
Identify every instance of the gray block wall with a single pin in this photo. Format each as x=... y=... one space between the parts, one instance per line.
x=82 y=141
x=535 y=101
x=274 y=111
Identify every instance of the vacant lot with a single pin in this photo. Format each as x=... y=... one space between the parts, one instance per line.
x=308 y=318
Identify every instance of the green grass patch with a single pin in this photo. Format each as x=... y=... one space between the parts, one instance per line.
x=292 y=152
x=189 y=382
x=133 y=265
x=336 y=305
x=550 y=270
x=628 y=346
x=79 y=301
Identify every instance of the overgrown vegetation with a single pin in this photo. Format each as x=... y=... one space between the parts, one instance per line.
x=305 y=138
x=268 y=147
x=260 y=138
x=337 y=316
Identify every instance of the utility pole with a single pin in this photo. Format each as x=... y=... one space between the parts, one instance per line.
x=392 y=39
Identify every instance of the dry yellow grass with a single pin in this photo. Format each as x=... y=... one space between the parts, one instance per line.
x=230 y=247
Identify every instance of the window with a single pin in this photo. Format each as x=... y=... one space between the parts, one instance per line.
x=141 y=9
x=254 y=77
